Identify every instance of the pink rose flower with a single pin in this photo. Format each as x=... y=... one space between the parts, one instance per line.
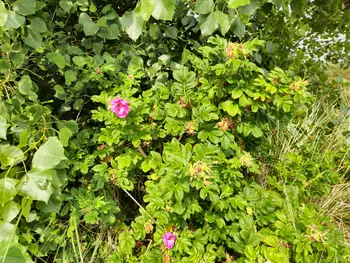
x=120 y=107
x=169 y=240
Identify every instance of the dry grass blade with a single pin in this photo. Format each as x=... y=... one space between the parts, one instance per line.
x=337 y=206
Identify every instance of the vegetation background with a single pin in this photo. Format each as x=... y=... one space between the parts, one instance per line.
x=236 y=143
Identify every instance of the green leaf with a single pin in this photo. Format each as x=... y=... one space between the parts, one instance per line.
x=110 y=32
x=6 y=230
x=70 y=76
x=224 y=21
x=90 y=28
x=271 y=241
x=164 y=10
x=9 y=211
x=126 y=243
x=257 y=132
x=249 y=9
x=132 y=24
x=286 y=107
x=208 y=24
x=49 y=154
x=238 y=27
x=79 y=61
x=14 y=20
x=246 y=130
x=237 y=3
x=36 y=185
x=3 y=14
x=64 y=135
x=297 y=6
x=66 y=5
x=60 y=93
x=271 y=47
x=146 y=9
x=53 y=205
x=236 y=93
x=71 y=124
x=26 y=204
x=230 y=108
x=38 y=25
x=24 y=7
x=33 y=39
x=171 y=32
x=244 y=101
x=14 y=253
x=204 y=7
x=23 y=139
x=25 y=85
x=3 y=127
x=18 y=60
x=11 y=155
x=154 y=31
x=57 y=59
x=7 y=190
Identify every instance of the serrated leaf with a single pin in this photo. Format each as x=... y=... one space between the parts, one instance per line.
x=7 y=190
x=3 y=127
x=25 y=85
x=237 y=3
x=36 y=185
x=204 y=7
x=126 y=243
x=230 y=108
x=3 y=14
x=24 y=7
x=14 y=20
x=164 y=10
x=33 y=39
x=224 y=21
x=49 y=154
x=208 y=24
x=9 y=211
x=132 y=24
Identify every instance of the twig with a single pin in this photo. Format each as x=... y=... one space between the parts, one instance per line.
x=139 y=148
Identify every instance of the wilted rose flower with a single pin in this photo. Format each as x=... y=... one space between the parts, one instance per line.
x=120 y=107
x=169 y=240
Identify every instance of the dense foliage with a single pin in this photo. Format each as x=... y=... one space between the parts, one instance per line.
x=211 y=121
